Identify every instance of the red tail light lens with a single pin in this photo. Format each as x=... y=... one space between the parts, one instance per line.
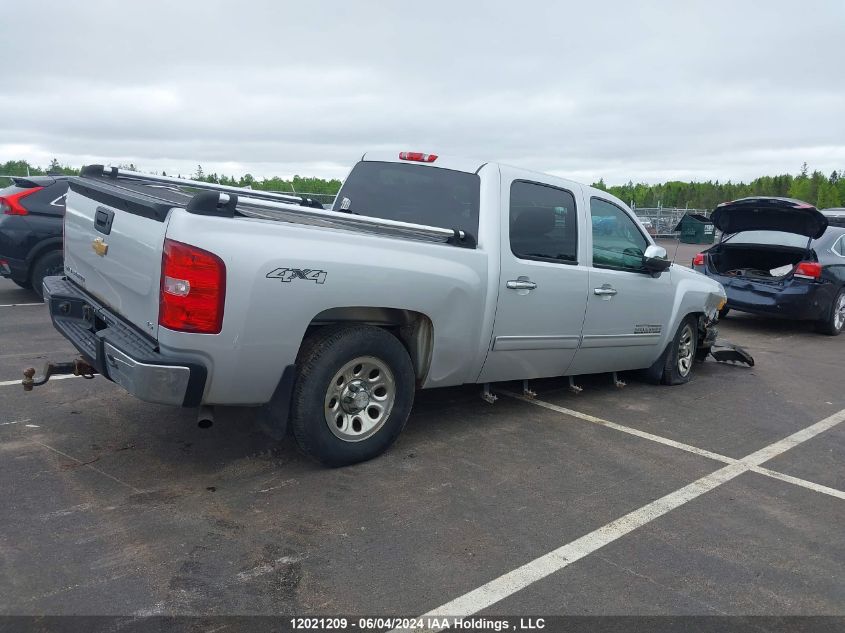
x=698 y=260
x=808 y=270
x=193 y=289
x=11 y=204
x=418 y=157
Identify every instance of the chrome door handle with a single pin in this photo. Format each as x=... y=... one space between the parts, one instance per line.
x=521 y=284
x=604 y=291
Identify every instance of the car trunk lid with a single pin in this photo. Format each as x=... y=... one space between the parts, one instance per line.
x=769 y=214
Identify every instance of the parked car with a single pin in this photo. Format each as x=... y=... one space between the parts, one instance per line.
x=428 y=272
x=835 y=216
x=779 y=257
x=31 y=213
x=648 y=226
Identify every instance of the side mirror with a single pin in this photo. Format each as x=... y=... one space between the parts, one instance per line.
x=655 y=259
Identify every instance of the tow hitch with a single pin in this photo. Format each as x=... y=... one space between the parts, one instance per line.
x=78 y=367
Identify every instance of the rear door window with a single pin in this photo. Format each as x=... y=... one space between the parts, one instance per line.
x=617 y=241
x=543 y=223
x=412 y=193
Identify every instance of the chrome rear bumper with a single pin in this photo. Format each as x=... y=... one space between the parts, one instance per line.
x=119 y=351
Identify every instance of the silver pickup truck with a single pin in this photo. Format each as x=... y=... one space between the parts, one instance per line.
x=426 y=272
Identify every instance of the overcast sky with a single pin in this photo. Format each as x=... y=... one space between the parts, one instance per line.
x=620 y=90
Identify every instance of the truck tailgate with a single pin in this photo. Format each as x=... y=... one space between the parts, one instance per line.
x=114 y=236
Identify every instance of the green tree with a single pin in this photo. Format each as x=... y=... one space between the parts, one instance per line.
x=828 y=196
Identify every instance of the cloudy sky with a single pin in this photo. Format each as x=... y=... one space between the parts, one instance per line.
x=620 y=90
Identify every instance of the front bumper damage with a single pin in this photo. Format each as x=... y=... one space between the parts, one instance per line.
x=115 y=349
x=721 y=351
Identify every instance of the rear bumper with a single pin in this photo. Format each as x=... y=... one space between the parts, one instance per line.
x=119 y=351
x=806 y=301
x=13 y=268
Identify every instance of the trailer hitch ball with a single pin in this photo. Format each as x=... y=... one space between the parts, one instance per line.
x=28 y=382
x=79 y=367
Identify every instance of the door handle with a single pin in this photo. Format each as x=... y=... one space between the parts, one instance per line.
x=605 y=291
x=521 y=284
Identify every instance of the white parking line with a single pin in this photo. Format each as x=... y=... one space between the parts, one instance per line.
x=90 y=467
x=9 y=383
x=625 y=429
x=19 y=305
x=539 y=568
x=833 y=492
x=15 y=422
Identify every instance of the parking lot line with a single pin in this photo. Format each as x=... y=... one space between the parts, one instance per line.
x=9 y=383
x=15 y=422
x=833 y=492
x=625 y=429
x=89 y=466
x=19 y=305
x=513 y=581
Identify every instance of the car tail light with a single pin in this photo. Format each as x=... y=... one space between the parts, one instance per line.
x=11 y=204
x=808 y=270
x=698 y=260
x=418 y=157
x=193 y=289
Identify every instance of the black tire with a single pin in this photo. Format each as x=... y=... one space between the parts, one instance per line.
x=834 y=323
x=724 y=312
x=665 y=369
x=23 y=284
x=51 y=263
x=322 y=357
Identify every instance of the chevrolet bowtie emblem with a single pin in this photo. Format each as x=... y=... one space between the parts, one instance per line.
x=100 y=247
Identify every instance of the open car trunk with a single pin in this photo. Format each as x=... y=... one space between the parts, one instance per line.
x=760 y=261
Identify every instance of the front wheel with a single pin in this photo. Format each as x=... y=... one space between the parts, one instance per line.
x=674 y=367
x=835 y=321
x=353 y=394
x=23 y=284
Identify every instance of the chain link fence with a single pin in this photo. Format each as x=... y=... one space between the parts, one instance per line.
x=662 y=221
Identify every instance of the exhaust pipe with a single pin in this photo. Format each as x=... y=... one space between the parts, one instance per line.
x=205 y=417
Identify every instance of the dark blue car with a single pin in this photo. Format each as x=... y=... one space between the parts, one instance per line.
x=779 y=257
x=31 y=215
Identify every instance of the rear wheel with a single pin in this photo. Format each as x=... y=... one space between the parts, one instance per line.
x=353 y=394
x=51 y=263
x=23 y=284
x=835 y=321
x=724 y=312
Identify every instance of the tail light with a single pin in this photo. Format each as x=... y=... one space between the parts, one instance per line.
x=11 y=204
x=193 y=289
x=808 y=270
x=418 y=157
x=698 y=260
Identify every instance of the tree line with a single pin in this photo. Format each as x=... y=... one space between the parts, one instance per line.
x=815 y=188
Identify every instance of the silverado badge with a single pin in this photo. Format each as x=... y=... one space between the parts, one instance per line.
x=100 y=247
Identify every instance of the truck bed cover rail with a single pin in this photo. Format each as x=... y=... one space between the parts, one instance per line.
x=279 y=207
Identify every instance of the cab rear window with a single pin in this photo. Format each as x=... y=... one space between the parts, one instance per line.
x=412 y=193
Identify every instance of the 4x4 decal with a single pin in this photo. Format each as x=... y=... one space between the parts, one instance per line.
x=287 y=275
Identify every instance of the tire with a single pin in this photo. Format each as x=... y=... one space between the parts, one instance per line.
x=353 y=393
x=23 y=284
x=835 y=321
x=666 y=370
x=724 y=312
x=51 y=263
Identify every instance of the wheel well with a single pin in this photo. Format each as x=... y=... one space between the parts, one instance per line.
x=414 y=329
x=40 y=250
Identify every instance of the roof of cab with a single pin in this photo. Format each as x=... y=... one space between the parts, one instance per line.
x=474 y=166
x=443 y=162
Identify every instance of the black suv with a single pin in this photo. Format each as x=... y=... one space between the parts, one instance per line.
x=31 y=215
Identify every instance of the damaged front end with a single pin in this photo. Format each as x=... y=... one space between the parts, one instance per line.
x=708 y=345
